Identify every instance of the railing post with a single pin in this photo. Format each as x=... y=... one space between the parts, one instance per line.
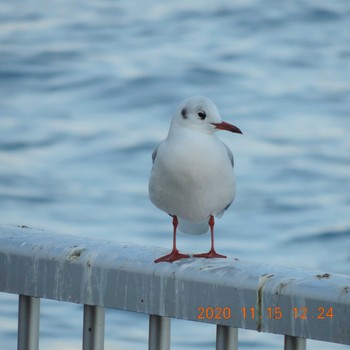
x=93 y=327
x=226 y=338
x=159 y=333
x=294 y=343
x=28 y=323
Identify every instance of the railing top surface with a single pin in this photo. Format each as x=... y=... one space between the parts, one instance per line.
x=276 y=299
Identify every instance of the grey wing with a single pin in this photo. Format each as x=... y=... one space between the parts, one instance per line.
x=154 y=154
x=221 y=213
x=230 y=155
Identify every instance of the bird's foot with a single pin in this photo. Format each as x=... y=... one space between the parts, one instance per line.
x=210 y=255
x=173 y=256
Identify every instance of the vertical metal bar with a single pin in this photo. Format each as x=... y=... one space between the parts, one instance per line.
x=226 y=338
x=159 y=333
x=294 y=343
x=93 y=328
x=28 y=323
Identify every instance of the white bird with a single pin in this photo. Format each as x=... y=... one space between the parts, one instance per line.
x=192 y=177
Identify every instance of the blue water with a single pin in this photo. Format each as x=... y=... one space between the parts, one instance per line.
x=87 y=90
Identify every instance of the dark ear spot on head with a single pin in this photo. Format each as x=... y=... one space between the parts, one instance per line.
x=184 y=113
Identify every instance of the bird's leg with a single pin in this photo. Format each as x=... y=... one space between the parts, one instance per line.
x=174 y=255
x=212 y=253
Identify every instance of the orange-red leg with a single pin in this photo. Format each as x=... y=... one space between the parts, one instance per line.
x=212 y=253
x=174 y=255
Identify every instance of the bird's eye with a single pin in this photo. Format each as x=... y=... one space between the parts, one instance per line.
x=202 y=115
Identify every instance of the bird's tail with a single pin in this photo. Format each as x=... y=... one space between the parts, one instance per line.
x=193 y=228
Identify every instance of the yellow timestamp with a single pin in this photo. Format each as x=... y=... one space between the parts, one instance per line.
x=275 y=312
x=319 y=313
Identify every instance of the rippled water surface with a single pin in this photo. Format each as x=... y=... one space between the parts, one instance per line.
x=87 y=90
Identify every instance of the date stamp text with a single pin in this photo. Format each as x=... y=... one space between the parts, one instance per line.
x=276 y=312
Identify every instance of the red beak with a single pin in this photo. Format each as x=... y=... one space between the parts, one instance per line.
x=228 y=127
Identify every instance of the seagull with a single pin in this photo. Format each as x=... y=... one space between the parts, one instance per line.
x=192 y=176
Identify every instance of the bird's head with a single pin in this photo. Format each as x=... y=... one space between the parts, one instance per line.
x=200 y=113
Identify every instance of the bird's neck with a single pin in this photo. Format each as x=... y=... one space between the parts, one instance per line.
x=192 y=130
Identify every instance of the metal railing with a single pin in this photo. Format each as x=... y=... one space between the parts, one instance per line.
x=229 y=293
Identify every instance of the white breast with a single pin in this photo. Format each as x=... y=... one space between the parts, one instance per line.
x=192 y=176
